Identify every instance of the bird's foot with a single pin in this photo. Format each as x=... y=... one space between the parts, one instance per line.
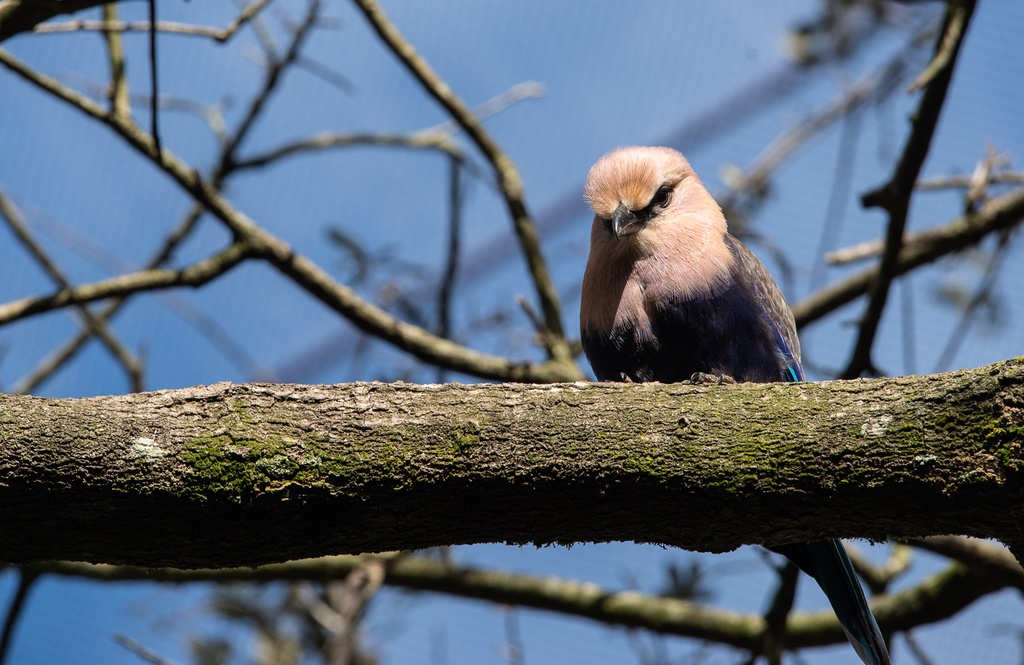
x=703 y=377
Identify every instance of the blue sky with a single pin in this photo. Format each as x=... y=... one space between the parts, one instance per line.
x=613 y=74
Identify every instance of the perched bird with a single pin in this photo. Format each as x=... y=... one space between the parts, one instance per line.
x=669 y=295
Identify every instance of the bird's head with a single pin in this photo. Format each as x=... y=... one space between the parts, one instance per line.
x=638 y=188
x=657 y=237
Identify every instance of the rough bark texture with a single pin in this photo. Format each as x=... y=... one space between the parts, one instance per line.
x=228 y=475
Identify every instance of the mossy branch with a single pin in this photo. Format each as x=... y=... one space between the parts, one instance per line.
x=228 y=475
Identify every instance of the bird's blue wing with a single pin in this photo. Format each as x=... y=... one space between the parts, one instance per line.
x=767 y=300
x=791 y=360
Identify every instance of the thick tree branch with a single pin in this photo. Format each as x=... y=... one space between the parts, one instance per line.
x=242 y=475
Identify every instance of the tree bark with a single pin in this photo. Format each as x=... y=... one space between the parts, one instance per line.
x=229 y=475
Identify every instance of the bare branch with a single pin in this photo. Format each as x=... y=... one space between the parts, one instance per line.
x=118 y=91
x=978 y=554
x=756 y=177
x=1001 y=213
x=66 y=352
x=275 y=68
x=26 y=579
x=93 y=324
x=147 y=280
x=326 y=140
x=949 y=44
x=879 y=577
x=154 y=105
x=508 y=177
x=433 y=138
x=112 y=25
x=895 y=195
x=413 y=339
x=136 y=647
x=934 y=599
x=965 y=181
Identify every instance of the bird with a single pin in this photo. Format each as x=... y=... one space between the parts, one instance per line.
x=670 y=296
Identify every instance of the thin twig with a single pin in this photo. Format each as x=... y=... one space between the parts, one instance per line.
x=69 y=349
x=326 y=140
x=494 y=105
x=26 y=579
x=437 y=137
x=154 y=107
x=451 y=264
x=513 y=646
x=141 y=651
x=756 y=177
x=118 y=91
x=908 y=337
x=508 y=177
x=197 y=274
x=946 y=52
x=981 y=296
x=412 y=339
x=916 y=649
x=1004 y=212
x=208 y=327
x=90 y=322
x=531 y=313
x=965 y=181
x=326 y=74
x=113 y=25
x=275 y=68
x=895 y=196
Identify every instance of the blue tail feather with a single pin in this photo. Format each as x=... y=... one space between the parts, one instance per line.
x=828 y=563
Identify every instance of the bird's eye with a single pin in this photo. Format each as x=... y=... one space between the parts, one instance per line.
x=662 y=197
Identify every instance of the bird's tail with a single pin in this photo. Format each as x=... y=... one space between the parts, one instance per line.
x=828 y=563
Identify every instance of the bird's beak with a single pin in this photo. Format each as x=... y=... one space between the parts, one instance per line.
x=625 y=222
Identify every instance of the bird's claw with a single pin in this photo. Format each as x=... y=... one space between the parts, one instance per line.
x=699 y=378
